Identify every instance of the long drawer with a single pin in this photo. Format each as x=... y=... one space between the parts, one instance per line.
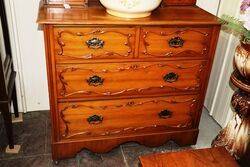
x=129 y=79
x=81 y=120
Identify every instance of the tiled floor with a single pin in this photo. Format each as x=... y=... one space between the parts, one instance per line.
x=34 y=136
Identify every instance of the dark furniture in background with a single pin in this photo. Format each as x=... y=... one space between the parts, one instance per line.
x=235 y=136
x=7 y=79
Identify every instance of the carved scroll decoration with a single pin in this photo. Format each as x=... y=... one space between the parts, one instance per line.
x=136 y=90
x=177 y=34
x=187 y=124
x=106 y=54
x=133 y=129
x=64 y=93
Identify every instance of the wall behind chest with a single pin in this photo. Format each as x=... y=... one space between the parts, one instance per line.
x=219 y=91
x=208 y=5
x=30 y=43
x=30 y=53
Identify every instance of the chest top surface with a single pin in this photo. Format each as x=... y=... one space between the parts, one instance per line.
x=171 y=15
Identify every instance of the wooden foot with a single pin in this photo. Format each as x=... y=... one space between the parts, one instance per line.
x=14 y=150
x=17 y=119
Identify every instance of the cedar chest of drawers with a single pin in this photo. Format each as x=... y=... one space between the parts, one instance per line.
x=114 y=80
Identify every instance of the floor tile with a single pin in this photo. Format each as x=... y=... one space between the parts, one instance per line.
x=30 y=134
x=48 y=137
x=37 y=115
x=113 y=158
x=90 y=159
x=34 y=144
x=19 y=136
x=35 y=132
x=35 y=127
x=131 y=153
x=63 y=163
x=37 y=161
x=208 y=130
x=11 y=163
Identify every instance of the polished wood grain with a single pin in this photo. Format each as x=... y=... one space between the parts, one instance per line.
x=211 y=54
x=131 y=44
x=211 y=157
x=128 y=79
x=68 y=149
x=171 y=15
x=156 y=42
x=71 y=43
x=129 y=116
x=85 y=83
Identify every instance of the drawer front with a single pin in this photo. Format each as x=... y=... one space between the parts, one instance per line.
x=129 y=79
x=174 y=42
x=127 y=116
x=78 y=43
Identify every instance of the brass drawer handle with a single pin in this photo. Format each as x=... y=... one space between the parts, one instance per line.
x=176 y=42
x=95 y=80
x=95 y=119
x=171 y=77
x=95 y=43
x=165 y=114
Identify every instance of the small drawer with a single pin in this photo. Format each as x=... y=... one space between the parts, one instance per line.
x=127 y=116
x=129 y=79
x=174 y=42
x=77 y=43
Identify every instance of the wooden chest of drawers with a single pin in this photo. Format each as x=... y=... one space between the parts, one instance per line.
x=114 y=80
